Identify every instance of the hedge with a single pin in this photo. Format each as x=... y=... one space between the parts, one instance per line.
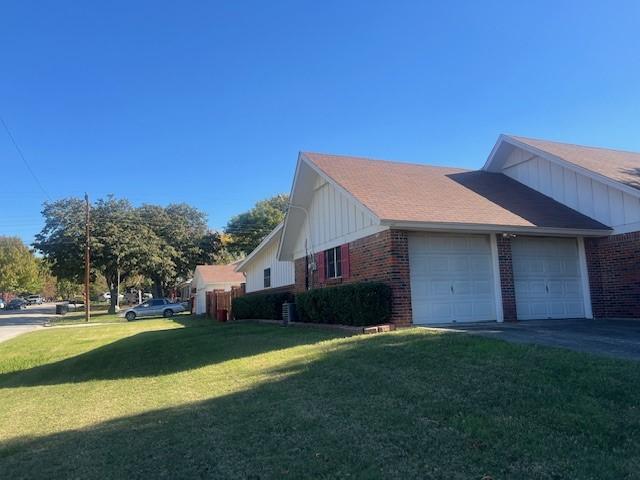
x=358 y=304
x=267 y=306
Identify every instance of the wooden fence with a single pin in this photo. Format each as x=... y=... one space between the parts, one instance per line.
x=219 y=303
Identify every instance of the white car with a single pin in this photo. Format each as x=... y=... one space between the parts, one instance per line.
x=154 y=308
x=107 y=296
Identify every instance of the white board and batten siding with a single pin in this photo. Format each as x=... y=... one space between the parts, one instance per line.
x=334 y=219
x=607 y=204
x=282 y=273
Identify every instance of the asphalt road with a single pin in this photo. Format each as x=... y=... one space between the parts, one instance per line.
x=16 y=322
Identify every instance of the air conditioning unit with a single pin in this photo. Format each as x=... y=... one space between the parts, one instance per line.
x=288 y=313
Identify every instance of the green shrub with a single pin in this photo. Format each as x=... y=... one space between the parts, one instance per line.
x=266 y=306
x=358 y=304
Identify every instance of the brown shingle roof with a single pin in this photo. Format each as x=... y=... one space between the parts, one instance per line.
x=617 y=165
x=220 y=273
x=423 y=193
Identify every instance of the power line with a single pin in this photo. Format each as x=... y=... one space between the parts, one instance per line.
x=15 y=144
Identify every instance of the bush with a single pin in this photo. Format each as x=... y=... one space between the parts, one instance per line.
x=358 y=304
x=267 y=306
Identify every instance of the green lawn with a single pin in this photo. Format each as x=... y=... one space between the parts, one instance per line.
x=185 y=398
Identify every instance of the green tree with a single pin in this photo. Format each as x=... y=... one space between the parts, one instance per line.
x=120 y=243
x=19 y=268
x=248 y=229
x=62 y=239
x=182 y=241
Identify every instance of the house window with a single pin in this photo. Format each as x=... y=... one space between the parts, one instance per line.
x=333 y=264
x=267 y=277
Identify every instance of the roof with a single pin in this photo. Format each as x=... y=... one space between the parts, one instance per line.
x=220 y=273
x=404 y=192
x=618 y=165
x=274 y=236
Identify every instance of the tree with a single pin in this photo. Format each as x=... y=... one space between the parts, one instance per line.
x=19 y=268
x=182 y=241
x=120 y=243
x=62 y=239
x=249 y=228
x=117 y=241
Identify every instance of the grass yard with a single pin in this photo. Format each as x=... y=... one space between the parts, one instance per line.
x=183 y=398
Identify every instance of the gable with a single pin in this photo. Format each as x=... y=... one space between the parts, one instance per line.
x=321 y=214
x=607 y=202
x=335 y=218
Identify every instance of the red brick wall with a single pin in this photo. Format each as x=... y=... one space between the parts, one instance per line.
x=506 y=279
x=382 y=257
x=614 y=275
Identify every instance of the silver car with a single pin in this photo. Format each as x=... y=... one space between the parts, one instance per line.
x=155 y=307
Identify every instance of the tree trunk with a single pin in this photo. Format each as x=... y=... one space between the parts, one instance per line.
x=113 y=302
x=157 y=288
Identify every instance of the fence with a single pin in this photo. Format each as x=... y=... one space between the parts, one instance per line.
x=219 y=303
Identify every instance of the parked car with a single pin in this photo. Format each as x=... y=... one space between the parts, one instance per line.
x=1 y=304
x=107 y=296
x=34 y=300
x=154 y=308
x=16 y=304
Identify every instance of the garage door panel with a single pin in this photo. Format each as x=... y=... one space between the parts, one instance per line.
x=547 y=278
x=451 y=278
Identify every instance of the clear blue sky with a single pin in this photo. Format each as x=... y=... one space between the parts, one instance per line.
x=209 y=102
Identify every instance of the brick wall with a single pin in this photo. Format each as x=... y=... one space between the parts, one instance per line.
x=382 y=257
x=614 y=275
x=506 y=279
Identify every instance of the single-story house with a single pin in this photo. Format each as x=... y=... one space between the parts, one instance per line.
x=207 y=278
x=544 y=230
x=263 y=271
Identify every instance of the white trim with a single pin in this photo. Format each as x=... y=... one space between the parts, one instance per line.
x=584 y=274
x=265 y=241
x=497 y=281
x=286 y=217
x=559 y=161
x=487 y=228
x=351 y=237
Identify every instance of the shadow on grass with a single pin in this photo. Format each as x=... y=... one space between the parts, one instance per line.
x=405 y=405
x=164 y=352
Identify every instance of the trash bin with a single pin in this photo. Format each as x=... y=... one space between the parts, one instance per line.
x=62 y=308
x=221 y=315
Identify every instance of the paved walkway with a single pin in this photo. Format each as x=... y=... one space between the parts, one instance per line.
x=17 y=322
x=614 y=338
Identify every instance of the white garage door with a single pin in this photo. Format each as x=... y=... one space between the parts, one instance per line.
x=451 y=278
x=547 y=278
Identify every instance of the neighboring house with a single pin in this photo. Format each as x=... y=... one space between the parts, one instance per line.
x=207 y=278
x=263 y=271
x=544 y=230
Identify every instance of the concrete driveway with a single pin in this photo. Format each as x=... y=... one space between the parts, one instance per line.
x=614 y=338
x=16 y=322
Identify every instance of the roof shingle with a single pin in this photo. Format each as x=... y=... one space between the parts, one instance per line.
x=423 y=193
x=220 y=273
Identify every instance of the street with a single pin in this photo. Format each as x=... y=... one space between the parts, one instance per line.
x=16 y=322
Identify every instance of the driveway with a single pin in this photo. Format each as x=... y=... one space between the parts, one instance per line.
x=16 y=322
x=614 y=338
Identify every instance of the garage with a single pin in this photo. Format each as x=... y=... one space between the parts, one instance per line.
x=547 y=278
x=451 y=278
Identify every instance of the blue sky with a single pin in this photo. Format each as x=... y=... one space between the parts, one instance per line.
x=209 y=102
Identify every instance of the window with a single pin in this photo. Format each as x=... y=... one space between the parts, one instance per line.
x=157 y=303
x=267 y=277
x=333 y=264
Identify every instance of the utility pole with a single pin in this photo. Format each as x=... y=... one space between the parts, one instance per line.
x=87 y=264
